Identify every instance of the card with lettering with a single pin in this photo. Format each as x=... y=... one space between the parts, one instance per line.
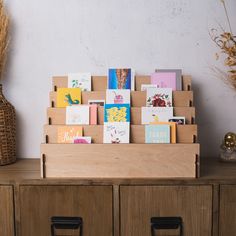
x=117 y=113
x=80 y=80
x=118 y=96
x=77 y=115
x=67 y=134
x=159 y=97
x=116 y=132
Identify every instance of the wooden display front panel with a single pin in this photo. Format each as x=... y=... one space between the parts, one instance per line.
x=119 y=160
x=39 y=203
x=227 y=211
x=6 y=211
x=139 y=203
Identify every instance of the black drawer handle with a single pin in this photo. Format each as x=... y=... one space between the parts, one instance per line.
x=166 y=223
x=65 y=222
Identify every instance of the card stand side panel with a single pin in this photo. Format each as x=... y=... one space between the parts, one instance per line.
x=138 y=98
x=57 y=116
x=117 y=161
x=99 y=83
x=184 y=133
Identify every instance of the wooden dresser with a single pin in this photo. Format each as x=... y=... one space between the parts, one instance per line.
x=119 y=207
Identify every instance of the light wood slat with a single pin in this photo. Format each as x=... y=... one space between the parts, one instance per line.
x=57 y=116
x=185 y=133
x=119 y=160
x=99 y=83
x=138 y=98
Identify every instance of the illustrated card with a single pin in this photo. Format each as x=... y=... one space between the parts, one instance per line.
x=156 y=114
x=80 y=80
x=97 y=102
x=68 y=97
x=119 y=78
x=159 y=97
x=77 y=115
x=118 y=96
x=164 y=79
x=117 y=113
x=178 y=73
x=67 y=134
x=116 y=132
x=144 y=87
x=83 y=140
x=179 y=120
x=157 y=134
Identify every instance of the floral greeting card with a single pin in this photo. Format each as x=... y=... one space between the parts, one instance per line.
x=67 y=134
x=159 y=97
x=164 y=80
x=80 y=80
x=118 y=96
x=157 y=134
x=117 y=113
x=77 y=115
x=116 y=132
x=119 y=78
x=156 y=114
x=68 y=97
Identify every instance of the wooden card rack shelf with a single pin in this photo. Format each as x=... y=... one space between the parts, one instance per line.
x=134 y=160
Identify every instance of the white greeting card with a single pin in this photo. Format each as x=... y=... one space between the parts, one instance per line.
x=144 y=87
x=77 y=115
x=116 y=132
x=156 y=114
x=80 y=80
x=118 y=96
x=159 y=97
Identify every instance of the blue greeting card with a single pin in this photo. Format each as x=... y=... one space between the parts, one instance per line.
x=119 y=79
x=157 y=134
x=117 y=113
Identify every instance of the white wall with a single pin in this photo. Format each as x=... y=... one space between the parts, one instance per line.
x=53 y=37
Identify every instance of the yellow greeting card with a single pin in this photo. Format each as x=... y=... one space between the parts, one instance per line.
x=68 y=97
x=68 y=134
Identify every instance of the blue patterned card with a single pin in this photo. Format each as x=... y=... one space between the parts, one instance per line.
x=157 y=134
x=117 y=113
x=119 y=79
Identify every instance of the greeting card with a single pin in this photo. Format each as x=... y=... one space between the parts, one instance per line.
x=159 y=97
x=156 y=114
x=178 y=73
x=83 y=140
x=119 y=79
x=172 y=129
x=68 y=97
x=164 y=80
x=97 y=102
x=117 y=113
x=80 y=80
x=157 y=134
x=116 y=132
x=67 y=134
x=93 y=114
x=179 y=120
x=77 y=115
x=118 y=96
x=144 y=87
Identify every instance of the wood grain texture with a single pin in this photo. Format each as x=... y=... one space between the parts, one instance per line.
x=138 y=98
x=39 y=203
x=139 y=203
x=227 y=212
x=185 y=133
x=99 y=83
x=6 y=211
x=120 y=160
x=57 y=116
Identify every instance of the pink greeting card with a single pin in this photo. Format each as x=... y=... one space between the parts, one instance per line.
x=93 y=114
x=164 y=79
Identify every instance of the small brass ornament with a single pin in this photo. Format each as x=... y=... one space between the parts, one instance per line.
x=228 y=147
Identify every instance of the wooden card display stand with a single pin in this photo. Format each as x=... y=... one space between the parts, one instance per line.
x=134 y=160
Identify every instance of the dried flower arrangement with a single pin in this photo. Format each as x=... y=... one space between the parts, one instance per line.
x=226 y=41
x=4 y=28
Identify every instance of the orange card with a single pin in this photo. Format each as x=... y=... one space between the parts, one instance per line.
x=67 y=134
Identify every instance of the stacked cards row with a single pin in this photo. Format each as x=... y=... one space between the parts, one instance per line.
x=137 y=98
x=99 y=83
x=95 y=133
x=137 y=116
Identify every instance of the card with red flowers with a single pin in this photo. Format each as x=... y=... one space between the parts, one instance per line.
x=159 y=97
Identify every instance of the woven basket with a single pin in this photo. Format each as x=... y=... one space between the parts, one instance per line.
x=7 y=131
